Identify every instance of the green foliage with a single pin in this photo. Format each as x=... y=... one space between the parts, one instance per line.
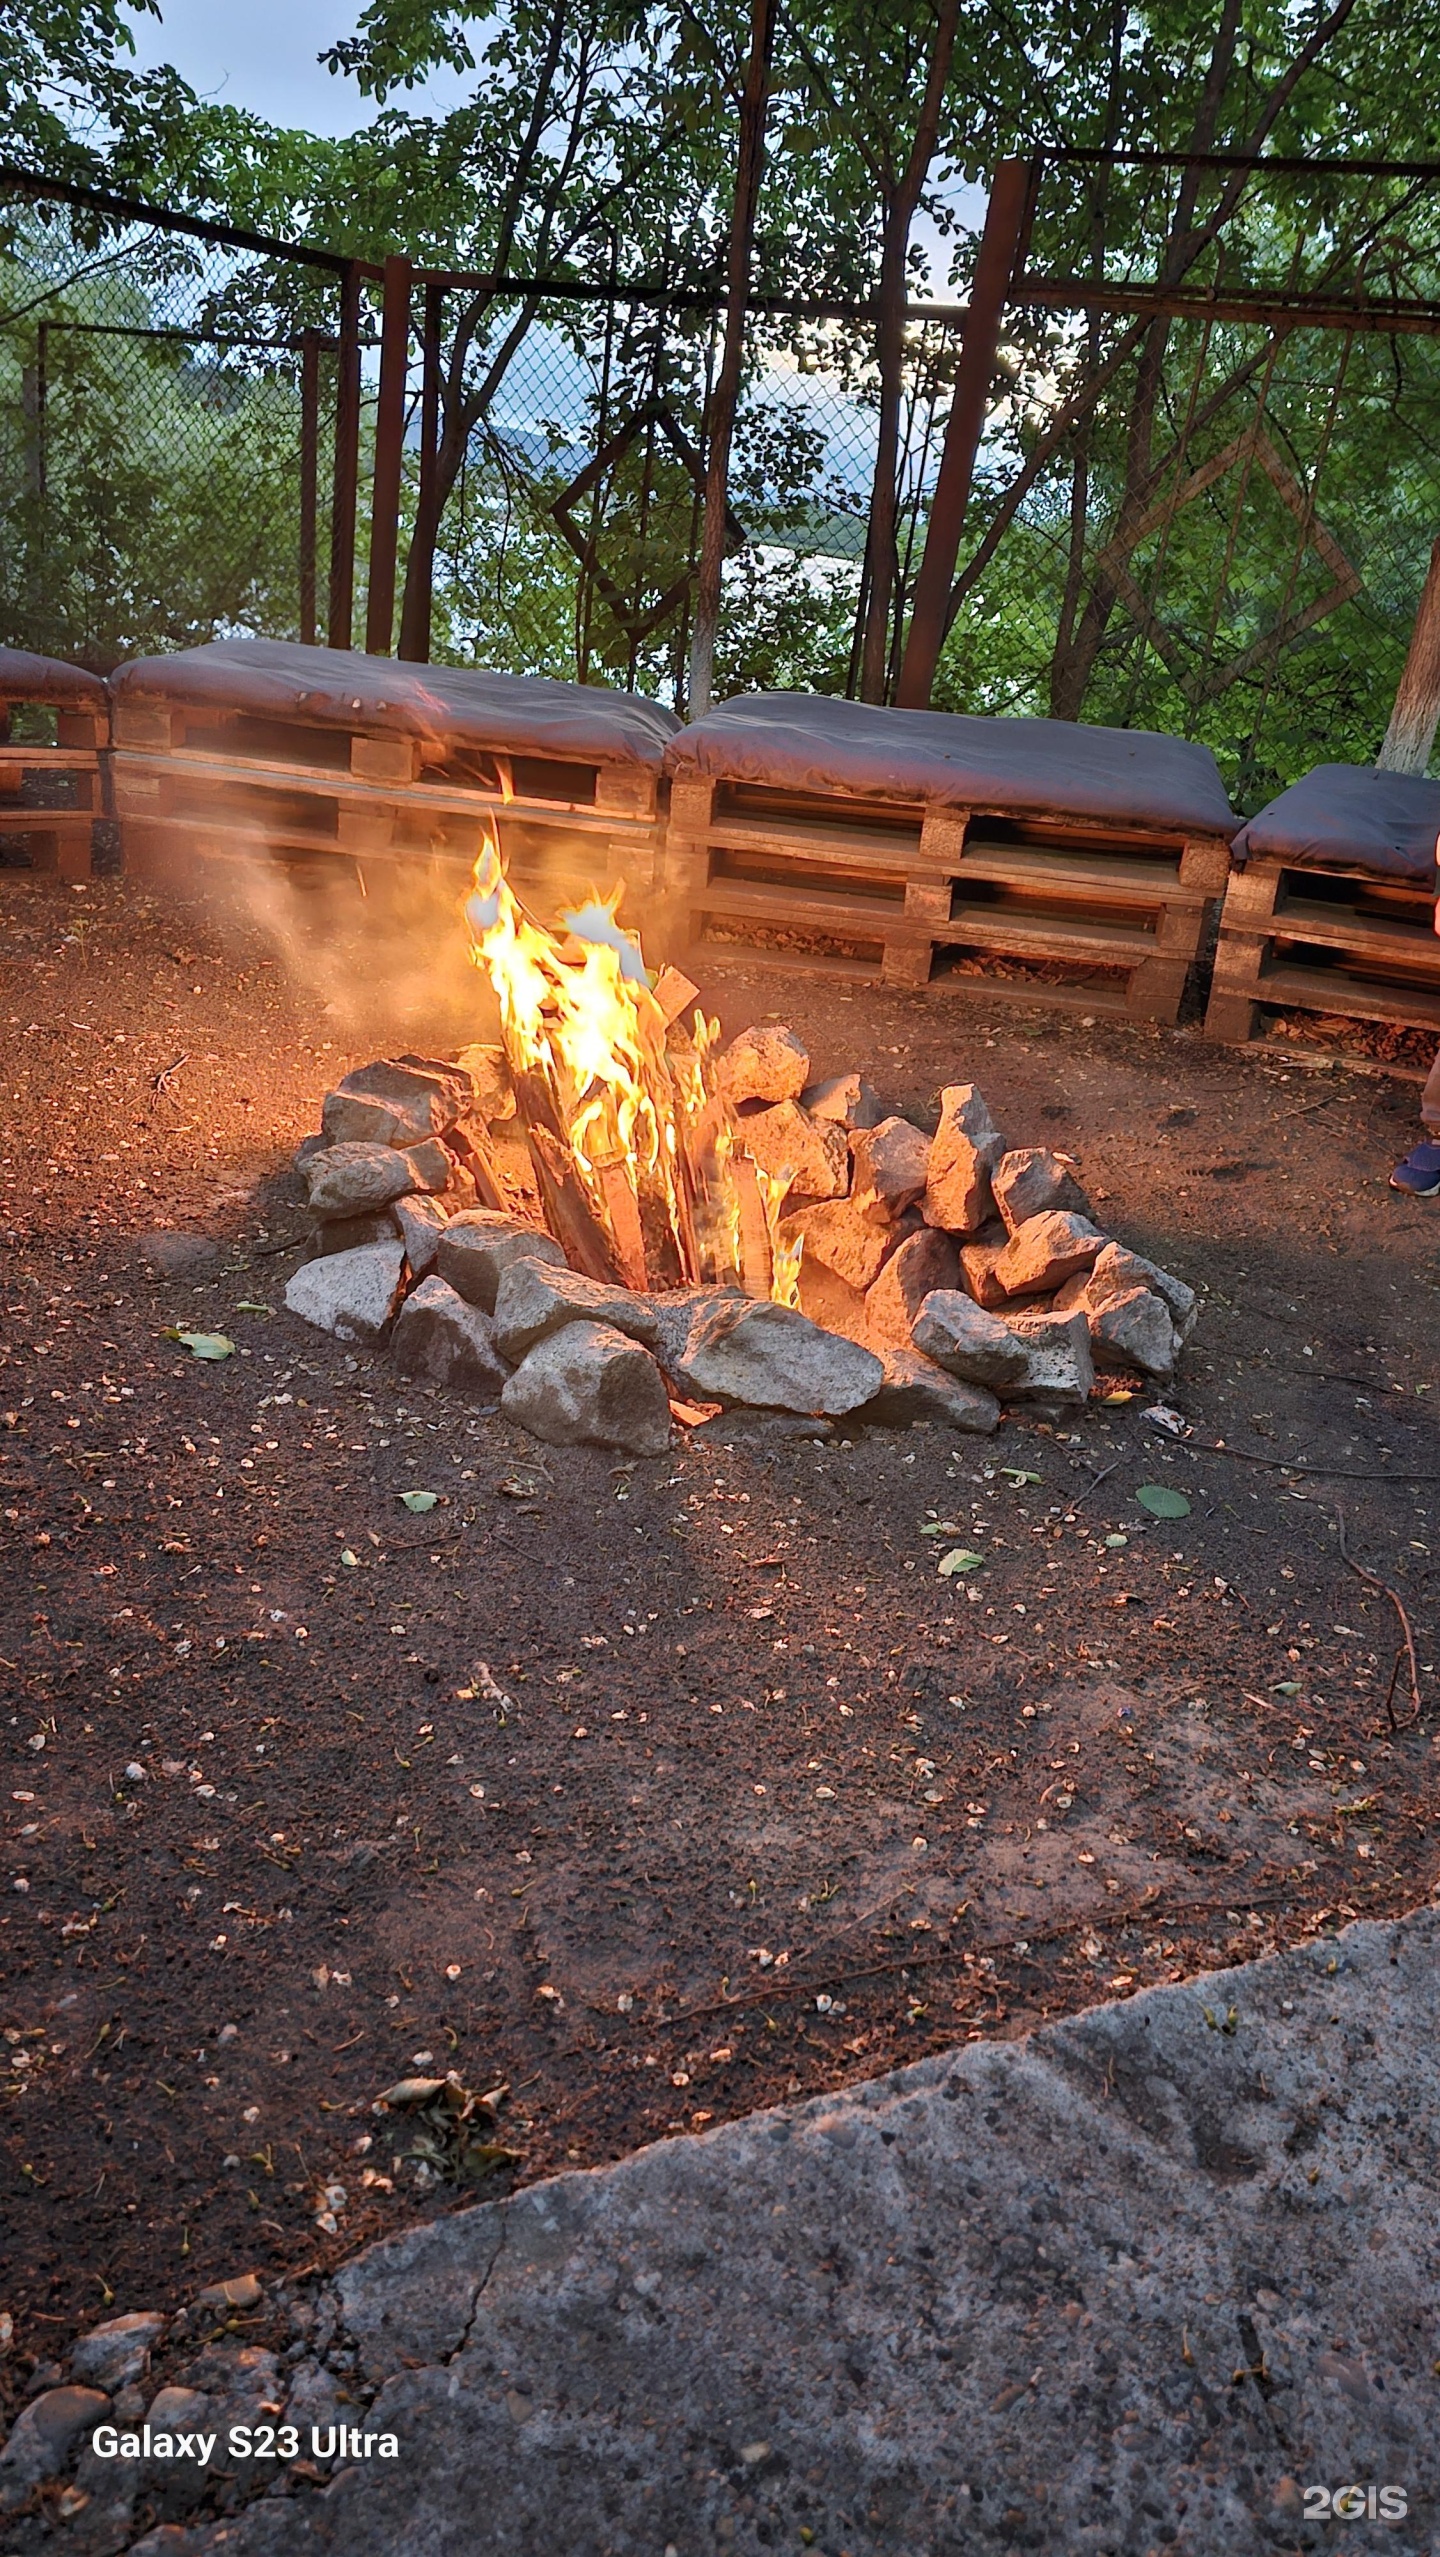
x=596 y=140
x=153 y=502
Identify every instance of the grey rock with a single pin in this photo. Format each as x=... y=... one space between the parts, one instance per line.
x=117 y=2352
x=489 y=1071
x=590 y=1385
x=964 y=1151
x=307 y=1149
x=479 y=1246
x=46 y=2431
x=432 y=1166
x=439 y=1337
x=178 y=2410
x=961 y=1337
x=841 y=1237
x=890 y=1166
x=1134 y=1330
x=810 y=1155
x=236 y=2290
x=915 y=1389
x=740 y=1428
x=1062 y=1369
x=769 y=1355
x=766 y=1063
x=1117 y=1270
x=312 y=2397
x=396 y=1101
x=977 y=1270
x=352 y=1294
x=925 y=1261
x=354 y=1180
x=536 y=1297
x=421 y=1221
x=677 y=1312
x=1031 y=1181
x=1045 y=1251
x=847 y=1099
x=173 y=1255
x=831 y=1302
x=1087 y=2232
x=347 y=1233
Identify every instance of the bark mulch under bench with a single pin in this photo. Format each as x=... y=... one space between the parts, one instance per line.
x=709 y=1697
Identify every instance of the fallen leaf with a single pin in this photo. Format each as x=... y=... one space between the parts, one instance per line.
x=1018 y=1476
x=201 y=1344
x=350 y=1561
x=1161 y=1502
x=959 y=1559
x=942 y=1527
x=1114 y=1542
x=247 y=1305
x=419 y=1500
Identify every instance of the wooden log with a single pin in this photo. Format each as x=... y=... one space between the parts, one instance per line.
x=755 y=1264
x=616 y=1182
x=474 y=1152
x=568 y=1212
x=674 y=992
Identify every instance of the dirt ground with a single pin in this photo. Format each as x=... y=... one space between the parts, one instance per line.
x=653 y=1792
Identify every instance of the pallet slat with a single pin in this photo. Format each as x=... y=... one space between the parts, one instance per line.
x=1272 y=913
x=840 y=886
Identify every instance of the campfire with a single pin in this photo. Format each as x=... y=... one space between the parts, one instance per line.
x=606 y=1222
x=629 y=1137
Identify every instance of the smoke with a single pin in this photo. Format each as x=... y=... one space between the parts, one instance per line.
x=379 y=947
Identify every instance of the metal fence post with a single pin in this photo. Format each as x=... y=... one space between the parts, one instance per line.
x=347 y=463
x=309 y=474
x=389 y=457
x=1006 y=220
x=420 y=567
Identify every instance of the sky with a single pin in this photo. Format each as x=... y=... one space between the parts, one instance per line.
x=263 y=54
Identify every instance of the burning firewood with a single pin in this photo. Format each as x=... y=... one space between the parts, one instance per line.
x=699 y=1225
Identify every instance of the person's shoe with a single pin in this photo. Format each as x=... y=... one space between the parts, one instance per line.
x=1419 y=1173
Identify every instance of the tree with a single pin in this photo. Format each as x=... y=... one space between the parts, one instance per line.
x=68 y=97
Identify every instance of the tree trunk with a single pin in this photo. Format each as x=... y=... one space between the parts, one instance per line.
x=900 y=200
x=1416 y=714
x=882 y=557
x=727 y=387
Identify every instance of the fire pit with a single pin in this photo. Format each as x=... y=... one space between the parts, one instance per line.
x=605 y=1222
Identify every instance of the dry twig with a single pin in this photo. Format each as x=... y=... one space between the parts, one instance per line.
x=1407 y=1649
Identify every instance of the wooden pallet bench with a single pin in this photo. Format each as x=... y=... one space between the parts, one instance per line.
x=1010 y=857
x=263 y=750
x=1330 y=905
x=54 y=728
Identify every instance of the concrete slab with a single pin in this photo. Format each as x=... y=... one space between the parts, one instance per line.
x=1130 y=2287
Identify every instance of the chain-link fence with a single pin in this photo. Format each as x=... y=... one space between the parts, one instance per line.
x=1204 y=499
x=1211 y=479
x=175 y=444
x=570 y=531
x=166 y=422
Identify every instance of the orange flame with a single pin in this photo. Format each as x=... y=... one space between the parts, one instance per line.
x=633 y=1103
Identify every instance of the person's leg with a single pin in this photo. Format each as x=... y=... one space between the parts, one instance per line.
x=1419 y=1174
